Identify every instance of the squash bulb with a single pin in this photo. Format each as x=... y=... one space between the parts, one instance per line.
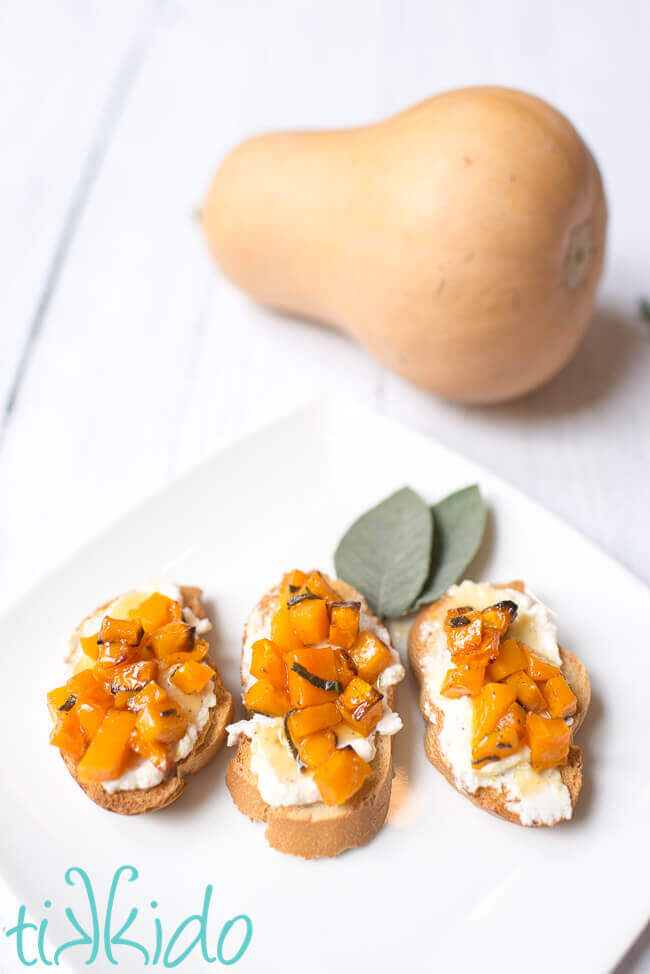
x=460 y=242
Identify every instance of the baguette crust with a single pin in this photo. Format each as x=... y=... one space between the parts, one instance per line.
x=318 y=830
x=135 y=801
x=492 y=799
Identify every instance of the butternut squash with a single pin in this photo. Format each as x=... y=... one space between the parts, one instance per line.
x=341 y=776
x=441 y=239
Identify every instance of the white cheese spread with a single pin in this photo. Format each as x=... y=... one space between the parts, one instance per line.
x=537 y=797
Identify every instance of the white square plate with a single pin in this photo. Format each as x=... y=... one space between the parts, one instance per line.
x=444 y=885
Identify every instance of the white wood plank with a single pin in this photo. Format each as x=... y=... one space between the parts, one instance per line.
x=60 y=71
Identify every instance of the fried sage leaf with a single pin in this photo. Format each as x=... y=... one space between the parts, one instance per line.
x=386 y=553
x=459 y=525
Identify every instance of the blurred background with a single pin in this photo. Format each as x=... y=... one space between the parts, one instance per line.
x=125 y=357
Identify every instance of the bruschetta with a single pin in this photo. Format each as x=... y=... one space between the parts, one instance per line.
x=502 y=701
x=144 y=706
x=319 y=678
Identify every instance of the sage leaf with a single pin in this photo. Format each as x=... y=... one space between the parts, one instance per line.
x=459 y=525
x=386 y=553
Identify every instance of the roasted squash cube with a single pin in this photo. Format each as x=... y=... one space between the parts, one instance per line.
x=489 y=706
x=60 y=699
x=130 y=677
x=500 y=616
x=198 y=652
x=282 y=632
x=115 y=654
x=317 y=748
x=309 y=720
x=263 y=698
x=109 y=750
x=67 y=734
x=464 y=632
x=192 y=677
x=312 y=676
x=345 y=668
x=561 y=701
x=361 y=706
x=153 y=751
x=463 y=681
x=90 y=645
x=515 y=716
x=152 y=693
x=90 y=717
x=309 y=618
x=127 y=631
x=292 y=582
x=157 y=610
x=502 y=742
x=512 y=657
x=315 y=584
x=163 y=722
x=370 y=655
x=87 y=687
x=172 y=638
x=548 y=739
x=267 y=661
x=539 y=669
x=341 y=776
x=344 y=623
x=528 y=693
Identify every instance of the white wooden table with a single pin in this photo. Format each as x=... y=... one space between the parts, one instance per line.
x=124 y=357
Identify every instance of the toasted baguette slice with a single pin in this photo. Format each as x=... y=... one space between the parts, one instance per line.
x=138 y=800
x=489 y=798
x=318 y=830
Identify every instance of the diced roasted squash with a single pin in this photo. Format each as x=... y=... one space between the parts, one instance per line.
x=86 y=686
x=197 y=653
x=317 y=748
x=163 y=722
x=282 y=632
x=489 y=706
x=345 y=668
x=316 y=585
x=370 y=655
x=309 y=618
x=90 y=645
x=360 y=706
x=291 y=585
x=312 y=676
x=157 y=610
x=515 y=716
x=60 y=699
x=548 y=739
x=192 y=677
x=90 y=717
x=561 y=701
x=528 y=693
x=512 y=657
x=464 y=630
x=309 y=720
x=500 y=616
x=344 y=623
x=153 y=751
x=115 y=654
x=486 y=651
x=341 y=776
x=267 y=661
x=501 y=743
x=108 y=752
x=127 y=631
x=539 y=669
x=172 y=638
x=151 y=693
x=263 y=698
x=68 y=735
x=130 y=677
x=463 y=681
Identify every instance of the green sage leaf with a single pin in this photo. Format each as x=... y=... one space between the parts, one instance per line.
x=459 y=525
x=386 y=553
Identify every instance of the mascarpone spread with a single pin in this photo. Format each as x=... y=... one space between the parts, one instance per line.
x=537 y=797
x=142 y=773
x=279 y=779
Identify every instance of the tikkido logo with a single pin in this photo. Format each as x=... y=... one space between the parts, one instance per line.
x=97 y=939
